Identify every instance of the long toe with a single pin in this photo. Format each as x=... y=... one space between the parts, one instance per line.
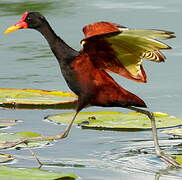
x=64 y=135
x=169 y=160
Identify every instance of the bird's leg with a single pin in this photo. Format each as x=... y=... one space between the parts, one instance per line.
x=158 y=151
x=9 y=144
x=80 y=105
x=34 y=155
x=59 y=136
x=44 y=138
x=68 y=128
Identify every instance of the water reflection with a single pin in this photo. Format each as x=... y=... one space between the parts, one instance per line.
x=166 y=173
x=132 y=157
x=18 y=7
x=36 y=51
x=125 y=6
x=128 y=5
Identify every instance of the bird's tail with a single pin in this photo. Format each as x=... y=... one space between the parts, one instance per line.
x=127 y=99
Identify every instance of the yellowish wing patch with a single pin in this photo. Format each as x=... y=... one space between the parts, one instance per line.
x=131 y=46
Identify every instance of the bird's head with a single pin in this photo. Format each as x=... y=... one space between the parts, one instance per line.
x=32 y=20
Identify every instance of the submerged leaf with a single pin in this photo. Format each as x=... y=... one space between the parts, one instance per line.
x=8 y=138
x=178 y=158
x=116 y=120
x=13 y=173
x=34 y=98
x=174 y=132
x=5 y=158
x=7 y=122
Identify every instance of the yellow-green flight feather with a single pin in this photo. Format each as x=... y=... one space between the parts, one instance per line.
x=131 y=46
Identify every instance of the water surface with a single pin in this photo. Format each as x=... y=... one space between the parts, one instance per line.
x=27 y=62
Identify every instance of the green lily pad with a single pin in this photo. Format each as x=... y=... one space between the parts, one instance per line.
x=178 y=158
x=7 y=122
x=12 y=173
x=116 y=120
x=34 y=98
x=7 y=138
x=174 y=132
x=5 y=158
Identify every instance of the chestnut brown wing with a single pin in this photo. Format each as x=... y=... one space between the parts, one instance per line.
x=117 y=49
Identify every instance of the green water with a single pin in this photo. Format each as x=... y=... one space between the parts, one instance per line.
x=26 y=62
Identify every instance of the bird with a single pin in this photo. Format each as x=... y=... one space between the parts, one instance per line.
x=106 y=47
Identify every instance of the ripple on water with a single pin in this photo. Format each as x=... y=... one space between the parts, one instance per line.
x=139 y=157
x=135 y=157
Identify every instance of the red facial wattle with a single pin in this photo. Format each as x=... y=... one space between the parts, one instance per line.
x=22 y=22
x=19 y=25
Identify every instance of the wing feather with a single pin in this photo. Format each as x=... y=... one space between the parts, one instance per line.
x=120 y=50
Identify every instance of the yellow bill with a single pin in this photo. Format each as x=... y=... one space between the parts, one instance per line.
x=22 y=24
x=12 y=29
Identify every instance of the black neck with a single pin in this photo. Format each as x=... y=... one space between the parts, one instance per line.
x=60 y=49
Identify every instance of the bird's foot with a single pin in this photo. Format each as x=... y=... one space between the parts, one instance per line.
x=35 y=156
x=169 y=160
x=63 y=135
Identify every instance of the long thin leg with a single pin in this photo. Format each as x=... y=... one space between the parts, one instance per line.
x=35 y=156
x=59 y=136
x=9 y=144
x=43 y=138
x=158 y=151
x=68 y=128
x=81 y=104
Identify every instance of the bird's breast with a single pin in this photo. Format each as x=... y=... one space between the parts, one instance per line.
x=85 y=73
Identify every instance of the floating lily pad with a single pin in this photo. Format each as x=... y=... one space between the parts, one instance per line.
x=116 y=120
x=8 y=173
x=34 y=98
x=178 y=158
x=5 y=158
x=5 y=138
x=7 y=122
x=174 y=132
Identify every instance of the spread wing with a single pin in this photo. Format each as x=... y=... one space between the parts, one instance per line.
x=120 y=50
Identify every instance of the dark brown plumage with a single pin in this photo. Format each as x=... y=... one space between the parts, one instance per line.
x=106 y=47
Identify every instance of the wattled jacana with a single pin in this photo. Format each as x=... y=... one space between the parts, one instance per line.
x=106 y=47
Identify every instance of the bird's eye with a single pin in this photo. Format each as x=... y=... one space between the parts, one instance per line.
x=28 y=18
